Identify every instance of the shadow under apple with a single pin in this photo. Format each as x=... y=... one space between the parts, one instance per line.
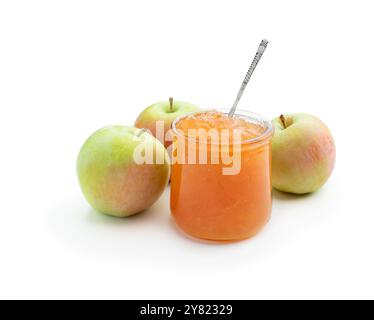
x=286 y=196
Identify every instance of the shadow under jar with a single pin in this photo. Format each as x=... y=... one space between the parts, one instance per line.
x=214 y=199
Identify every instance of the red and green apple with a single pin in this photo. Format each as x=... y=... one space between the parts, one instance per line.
x=303 y=153
x=165 y=112
x=111 y=179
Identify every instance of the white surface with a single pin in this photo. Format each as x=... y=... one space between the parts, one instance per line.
x=68 y=68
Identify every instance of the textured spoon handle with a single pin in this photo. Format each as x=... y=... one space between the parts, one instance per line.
x=260 y=51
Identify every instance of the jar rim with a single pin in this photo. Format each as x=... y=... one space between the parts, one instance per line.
x=244 y=114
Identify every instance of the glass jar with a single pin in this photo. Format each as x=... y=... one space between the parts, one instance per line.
x=210 y=202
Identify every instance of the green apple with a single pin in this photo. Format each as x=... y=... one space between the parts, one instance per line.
x=165 y=112
x=303 y=153
x=112 y=180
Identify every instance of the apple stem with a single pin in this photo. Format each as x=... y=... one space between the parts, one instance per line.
x=283 y=119
x=171 y=100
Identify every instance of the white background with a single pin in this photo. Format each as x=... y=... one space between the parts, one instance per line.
x=68 y=68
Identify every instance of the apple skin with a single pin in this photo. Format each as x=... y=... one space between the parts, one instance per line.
x=111 y=181
x=303 y=153
x=161 y=111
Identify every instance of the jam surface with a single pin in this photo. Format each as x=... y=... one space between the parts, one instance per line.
x=219 y=121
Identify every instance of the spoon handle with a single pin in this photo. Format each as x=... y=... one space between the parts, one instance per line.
x=260 y=51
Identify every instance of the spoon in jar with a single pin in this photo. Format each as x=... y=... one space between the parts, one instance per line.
x=260 y=51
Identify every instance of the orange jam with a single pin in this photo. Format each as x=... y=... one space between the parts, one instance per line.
x=225 y=194
x=219 y=121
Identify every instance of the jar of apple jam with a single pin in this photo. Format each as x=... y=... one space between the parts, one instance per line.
x=220 y=183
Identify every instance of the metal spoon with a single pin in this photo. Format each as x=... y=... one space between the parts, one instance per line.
x=260 y=51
